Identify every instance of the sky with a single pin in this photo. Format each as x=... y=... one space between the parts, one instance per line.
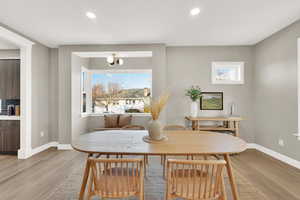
x=126 y=80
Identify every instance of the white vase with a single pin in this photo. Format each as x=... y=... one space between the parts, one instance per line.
x=194 y=109
x=155 y=130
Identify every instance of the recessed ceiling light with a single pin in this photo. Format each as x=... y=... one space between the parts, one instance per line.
x=195 y=11
x=91 y=15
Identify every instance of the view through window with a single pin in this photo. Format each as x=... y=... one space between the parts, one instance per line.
x=121 y=91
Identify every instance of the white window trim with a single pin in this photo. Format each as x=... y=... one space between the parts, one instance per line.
x=133 y=114
x=216 y=65
x=298 y=88
x=83 y=69
x=117 y=71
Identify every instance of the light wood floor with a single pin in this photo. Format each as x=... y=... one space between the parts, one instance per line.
x=36 y=178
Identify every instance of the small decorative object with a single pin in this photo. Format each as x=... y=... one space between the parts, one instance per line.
x=147 y=139
x=195 y=94
x=211 y=101
x=227 y=73
x=154 y=127
x=233 y=109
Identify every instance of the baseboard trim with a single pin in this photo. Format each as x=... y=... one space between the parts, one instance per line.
x=43 y=148
x=49 y=145
x=64 y=147
x=276 y=155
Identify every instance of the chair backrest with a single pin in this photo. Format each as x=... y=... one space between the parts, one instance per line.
x=133 y=127
x=117 y=178
x=174 y=127
x=195 y=179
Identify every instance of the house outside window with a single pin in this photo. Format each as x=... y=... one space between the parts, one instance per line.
x=120 y=91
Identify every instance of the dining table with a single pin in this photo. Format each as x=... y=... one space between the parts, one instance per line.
x=176 y=143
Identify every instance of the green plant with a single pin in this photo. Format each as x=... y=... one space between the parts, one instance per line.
x=194 y=93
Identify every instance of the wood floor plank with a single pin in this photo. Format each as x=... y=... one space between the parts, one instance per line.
x=36 y=178
x=275 y=179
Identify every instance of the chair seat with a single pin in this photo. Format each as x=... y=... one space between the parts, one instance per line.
x=190 y=187
x=119 y=182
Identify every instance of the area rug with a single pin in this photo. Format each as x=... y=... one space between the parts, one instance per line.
x=154 y=185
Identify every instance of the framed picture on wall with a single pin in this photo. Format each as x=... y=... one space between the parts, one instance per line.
x=211 y=101
x=227 y=73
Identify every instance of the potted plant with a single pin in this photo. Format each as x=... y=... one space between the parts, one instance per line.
x=154 y=127
x=195 y=94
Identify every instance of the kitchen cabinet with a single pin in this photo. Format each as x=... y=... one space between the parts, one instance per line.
x=10 y=79
x=9 y=136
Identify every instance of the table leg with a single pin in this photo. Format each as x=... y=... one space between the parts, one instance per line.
x=231 y=177
x=85 y=179
x=194 y=125
x=237 y=128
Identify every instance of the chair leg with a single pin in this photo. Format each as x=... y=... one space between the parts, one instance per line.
x=164 y=165
x=91 y=193
x=145 y=165
x=223 y=191
x=141 y=196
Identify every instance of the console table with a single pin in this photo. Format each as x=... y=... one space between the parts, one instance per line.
x=229 y=124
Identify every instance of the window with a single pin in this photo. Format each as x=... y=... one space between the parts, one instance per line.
x=227 y=73
x=83 y=90
x=121 y=91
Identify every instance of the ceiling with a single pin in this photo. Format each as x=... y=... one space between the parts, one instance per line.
x=7 y=45
x=221 y=22
x=119 y=54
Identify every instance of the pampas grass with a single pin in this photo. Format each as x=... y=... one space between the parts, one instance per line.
x=157 y=105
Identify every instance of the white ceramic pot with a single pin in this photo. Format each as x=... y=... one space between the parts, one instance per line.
x=155 y=130
x=194 y=109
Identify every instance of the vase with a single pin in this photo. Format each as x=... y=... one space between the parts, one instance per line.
x=194 y=109
x=155 y=130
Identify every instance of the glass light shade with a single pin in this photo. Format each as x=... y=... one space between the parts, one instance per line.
x=121 y=61
x=110 y=59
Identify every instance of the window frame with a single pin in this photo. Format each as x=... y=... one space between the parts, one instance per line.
x=218 y=65
x=119 y=71
x=83 y=90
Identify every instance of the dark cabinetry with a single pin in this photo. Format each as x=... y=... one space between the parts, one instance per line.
x=9 y=136
x=10 y=79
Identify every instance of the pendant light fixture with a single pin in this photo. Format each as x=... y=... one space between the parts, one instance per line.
x=114 y=61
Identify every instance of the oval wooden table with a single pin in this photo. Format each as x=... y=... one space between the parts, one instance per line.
x=130 y=142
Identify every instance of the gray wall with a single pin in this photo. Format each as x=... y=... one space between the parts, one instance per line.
x=275 y=91
x=188 y=66
x=65 y=69
x=79 y=124
x=40 y=94
x=53 y=95
x=8 y=53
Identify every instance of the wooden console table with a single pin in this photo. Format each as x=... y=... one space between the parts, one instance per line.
x=229 y=124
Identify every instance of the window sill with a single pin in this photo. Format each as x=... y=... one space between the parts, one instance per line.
x=84 y=115
x=133 y=114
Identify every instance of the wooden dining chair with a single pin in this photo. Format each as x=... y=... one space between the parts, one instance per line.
x=195 y=179
x=116 y=178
